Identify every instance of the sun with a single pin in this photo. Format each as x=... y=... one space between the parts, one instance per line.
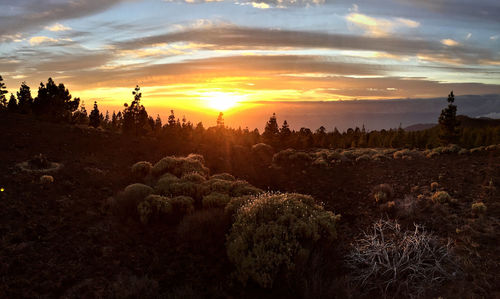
x=221 y=101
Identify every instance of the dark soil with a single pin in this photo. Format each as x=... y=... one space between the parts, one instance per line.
x=59 y=239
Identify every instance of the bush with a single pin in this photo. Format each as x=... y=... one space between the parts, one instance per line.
x=141 y=169
x=434 y=186
x=215 y=200
x=194 y=177
x=217 y=185
x=223 y=176
x=364 y=157
x=179 y=166
x=46 y=179
x=272 y=231
x=401 y=153
x=165 y=165
x=478 y=208
x=154 y=207
x=292 y=158
x=127 y=201
x=241 y=188
x=181 y=205
x=262 y=153
x=383 y=193
x=236 y=203
x=464 y=152
x=441 y=197
x=405 y=263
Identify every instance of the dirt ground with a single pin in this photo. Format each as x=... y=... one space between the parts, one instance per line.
x=58 y=240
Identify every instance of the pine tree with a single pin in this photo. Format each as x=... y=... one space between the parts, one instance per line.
x=24 y=99
x=12 y=105
x=285 y=130
x=448 y=122
x=80 y=116
x=135 y=117
x=94 y=117
x=171 y=119
x=54 y=102
x=3 y=91
x=271 y=131
x=220 y=120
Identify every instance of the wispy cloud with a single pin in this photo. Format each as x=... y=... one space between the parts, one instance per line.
x=377 y=27
x=449 y=42
x=37 y=40
x=57 y=27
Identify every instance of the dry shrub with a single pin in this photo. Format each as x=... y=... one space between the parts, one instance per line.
x=383 y=193
x=434 y=186
x=218 y=185
x=441 y=197
x=215 y=200
x=401 y=153
x=400 y=263
x=291 y=158
x=364 y=157
x=478 y=208
x=223 y=176
x=141 y=169
x=179 y=166
x=46 y=179
x=241 y=188
x=236 y=203
x=272 y=231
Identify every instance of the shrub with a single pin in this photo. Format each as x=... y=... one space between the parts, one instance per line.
x=179 y=166
x=46 y=179
x=196 y=157
x=164 y=165
x=141 y=169
x=478 y=208
x=236 y=203
x=164 y=183
x=181 y=205
x=434 y=186
x=262 y=153
x=223 y=176
x=464 y=152
x=404 y=262
x=383 y=193
x=126 y=202
x=215 y=200
x=241 y=188
x=292 y=158
x=441 y=197
x=320 y=162
x=364 y=157
x=194 y=177
x=401 y=153
x=217 y=185
x=271 y=231
x=153 y=208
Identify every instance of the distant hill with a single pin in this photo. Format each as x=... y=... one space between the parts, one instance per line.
x=419 y=127
x=465 y=121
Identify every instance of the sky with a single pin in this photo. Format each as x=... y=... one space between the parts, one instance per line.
x=251 y=58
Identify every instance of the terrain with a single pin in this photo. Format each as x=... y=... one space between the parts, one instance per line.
x=60 y=240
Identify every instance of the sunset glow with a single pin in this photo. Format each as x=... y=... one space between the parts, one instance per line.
x=206 y=56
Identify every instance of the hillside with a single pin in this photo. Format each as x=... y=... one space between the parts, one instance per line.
x=61 y=240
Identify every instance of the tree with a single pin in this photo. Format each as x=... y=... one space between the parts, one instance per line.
x=171 y=119
x=220 y=120
x=135 y=117
x=24 y=99
x=3 y=91
x=54 y=102
x=285 y=130
x=12 y=105
x=94 y=118
x=271 y=131
x=80 y=116
x=448 y=122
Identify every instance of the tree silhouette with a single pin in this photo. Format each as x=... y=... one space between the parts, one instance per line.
x=80 y=116
x=220 y=120
x=271 y=131
x=171 y=119
x=25 y=101
x=448 y=123
x=54 y=102
x=135 y=117
x=12 y=105
x=3 y=91
x=94 y=117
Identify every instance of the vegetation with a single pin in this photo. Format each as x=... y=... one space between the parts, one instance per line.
x=272 y=231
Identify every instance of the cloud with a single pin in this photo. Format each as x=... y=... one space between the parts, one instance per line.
x=378 y=27
x=228 y=37
x=57 y=27
x=469 y=35
x=37 y=40
x=33 y=15
x=494 y=37
x=449 y=42
x=260 y=5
